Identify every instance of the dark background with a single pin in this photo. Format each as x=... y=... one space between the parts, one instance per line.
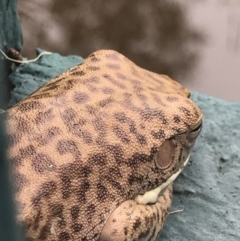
x=155 y=34
x=196 y=42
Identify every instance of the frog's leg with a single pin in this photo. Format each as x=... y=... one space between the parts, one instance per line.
x=132 y=221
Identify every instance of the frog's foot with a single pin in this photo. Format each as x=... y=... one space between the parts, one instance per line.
x=133 y=221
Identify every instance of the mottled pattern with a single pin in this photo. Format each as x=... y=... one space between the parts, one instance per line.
x=90 y=141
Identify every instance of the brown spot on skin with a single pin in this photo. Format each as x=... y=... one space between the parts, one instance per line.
x=63 y=236
x=102 y=192
x=80 y=97
x=150 y=114
x=143 y=235
x=115 y=172
x=41 y=95
x=75 y=212
x=172 y=99
x=42 y=163
x=134 y=179
x=185 y=111
x=177 y=119
x=158 y=135
x=137 y=159
x=105 y=102
x=121 y=76
x=112 y=56
x=92 y=88
x=98 y=159
x=13 y=139
x=57 y=210
x=68 y=115
x=94 y=59
x=86 y=136
x=135 y=72
x=92 y=80
x=113 y=66
x=121 y=134
x=153 y=234
x=67 y=146
x=78 y=73
x=143 y=98
x=16 y=161
x=81 y=193
x=108 y=91
x=19 y=181
x=65 y=187
x=77 y=227
x=85 y=171
x=30 y=105
x=93 y=68
x=91 y=209
x=45 y=191
x=141 y=139
x=99 y=124
x=45 y=231
x=51 y=87
x=121 y=117
x=27 y=152
x=113 y=81
x=115 y=184
x=37 y=219
x=45 y=116
x=51 y=133
x=136 y=224
x=117 y=152
x=69 y=84
x=22 y=126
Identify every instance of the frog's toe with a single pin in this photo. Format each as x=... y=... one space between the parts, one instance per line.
x=132 y=221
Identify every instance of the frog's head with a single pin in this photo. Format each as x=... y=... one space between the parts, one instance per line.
x=169 y=131
x=173 y=154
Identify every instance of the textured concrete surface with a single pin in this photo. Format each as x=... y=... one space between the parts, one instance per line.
x=208 y=190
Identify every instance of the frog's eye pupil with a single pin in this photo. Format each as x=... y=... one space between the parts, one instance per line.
x=165 y=155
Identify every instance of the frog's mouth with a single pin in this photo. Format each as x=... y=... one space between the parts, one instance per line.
x=152 y=195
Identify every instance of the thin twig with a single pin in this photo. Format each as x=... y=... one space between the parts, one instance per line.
x=25 y=61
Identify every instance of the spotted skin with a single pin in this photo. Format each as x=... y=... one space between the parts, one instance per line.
x=84 y=145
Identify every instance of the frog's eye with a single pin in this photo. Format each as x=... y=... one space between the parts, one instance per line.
x=165 y=155
x=193 y=134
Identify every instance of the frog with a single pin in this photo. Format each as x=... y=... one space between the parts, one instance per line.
x=94 y=152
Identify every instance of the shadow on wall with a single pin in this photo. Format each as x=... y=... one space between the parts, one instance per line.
x=155 y=35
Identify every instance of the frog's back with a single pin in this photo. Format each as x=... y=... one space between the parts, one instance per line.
x=76 y=143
